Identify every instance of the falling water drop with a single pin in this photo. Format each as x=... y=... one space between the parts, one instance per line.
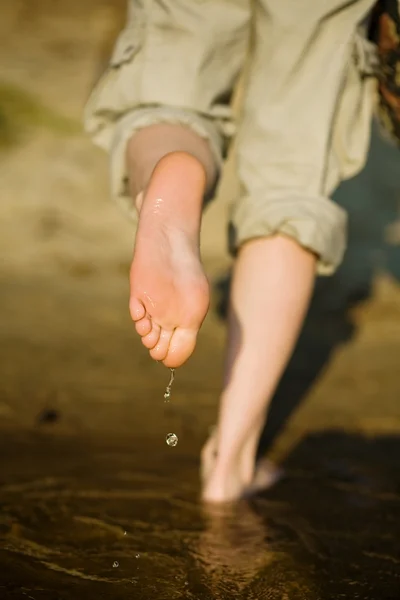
x=167 y=393
x=171 y=439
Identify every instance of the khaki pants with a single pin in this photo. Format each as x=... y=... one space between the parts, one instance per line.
x=307 y=107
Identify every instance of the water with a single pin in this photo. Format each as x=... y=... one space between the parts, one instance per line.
x=330 y=530
x=167 y=393
x=171 y=439
x=72 y=487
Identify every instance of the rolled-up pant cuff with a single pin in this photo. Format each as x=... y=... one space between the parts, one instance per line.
x=128 y=125
x=317 y=224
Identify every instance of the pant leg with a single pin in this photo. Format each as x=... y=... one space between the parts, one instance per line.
x=305 y=124
x=176 y=61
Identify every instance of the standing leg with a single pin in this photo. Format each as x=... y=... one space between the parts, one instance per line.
x=284 y=225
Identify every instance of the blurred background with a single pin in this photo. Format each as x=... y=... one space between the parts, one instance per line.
x=86 y=479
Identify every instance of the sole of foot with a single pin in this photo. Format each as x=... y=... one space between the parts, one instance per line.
x=169 y=296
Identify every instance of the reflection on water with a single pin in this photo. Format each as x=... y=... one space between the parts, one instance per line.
x=106 y=519
x=242 y=553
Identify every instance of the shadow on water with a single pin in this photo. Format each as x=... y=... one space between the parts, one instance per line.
x=95 y=520
x=372 y=202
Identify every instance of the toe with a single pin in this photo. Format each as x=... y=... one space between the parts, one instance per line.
x=136 y=309
x=160 y=351
x=144 y=326
x=151 y=339
x=181 y=347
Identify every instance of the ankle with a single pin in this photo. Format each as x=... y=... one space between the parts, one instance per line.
x=174 y=195
x=238 y=454
x=152 y=144
x=241 y=462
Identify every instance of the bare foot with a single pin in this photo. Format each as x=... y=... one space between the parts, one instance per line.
x=240 y=480
x=169 y=290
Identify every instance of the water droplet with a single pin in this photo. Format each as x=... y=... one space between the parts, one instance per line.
x=115 y=564
x=167 y=393
x=171 y=439
x=137 y=555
